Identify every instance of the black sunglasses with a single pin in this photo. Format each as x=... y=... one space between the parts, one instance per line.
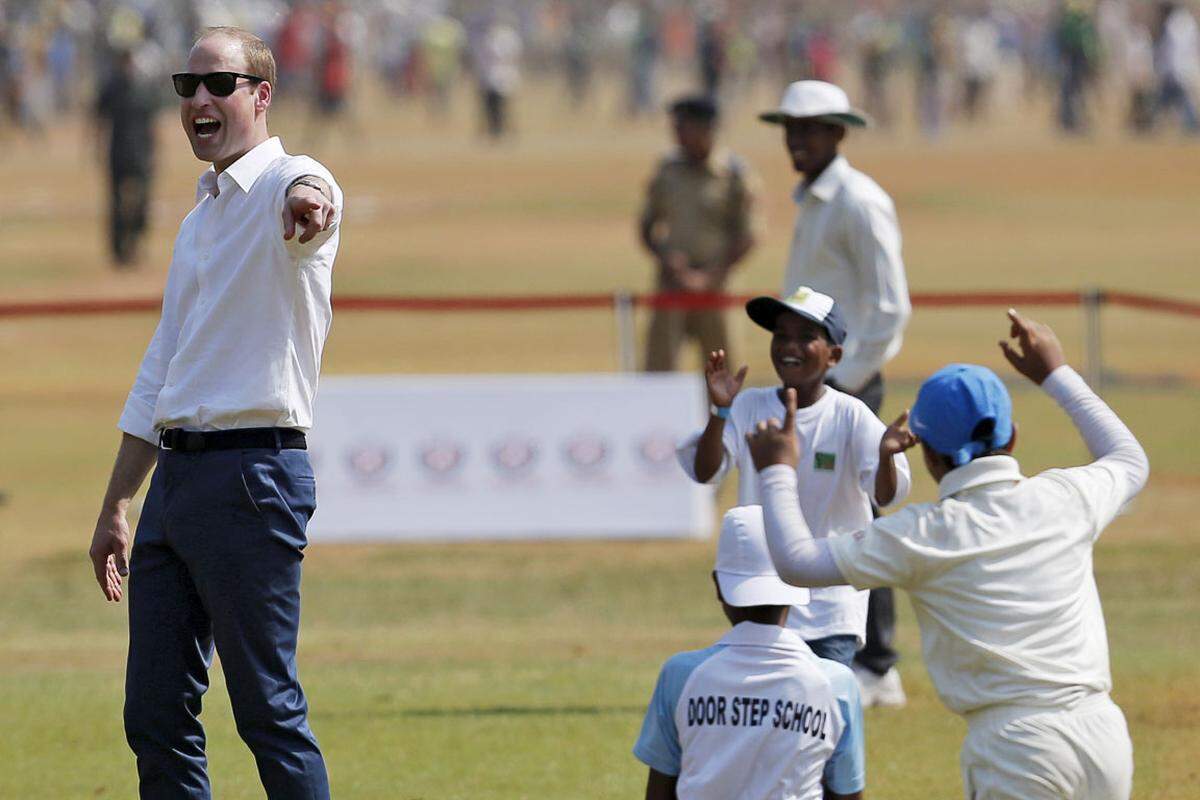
x=219 y=84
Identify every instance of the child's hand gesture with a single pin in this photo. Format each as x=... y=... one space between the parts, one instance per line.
x=1037 y=352
x=772 y=443
x=722 y=387
x=897 y=438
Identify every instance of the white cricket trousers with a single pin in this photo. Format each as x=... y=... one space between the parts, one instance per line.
x=1028 y=753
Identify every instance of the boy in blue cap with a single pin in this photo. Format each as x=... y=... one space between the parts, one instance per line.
x=999 y=570
x=854 y=459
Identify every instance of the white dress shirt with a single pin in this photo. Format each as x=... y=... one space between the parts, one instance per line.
x=846 y=244
x=245 y=313
x=999 y=569
x=835 y=483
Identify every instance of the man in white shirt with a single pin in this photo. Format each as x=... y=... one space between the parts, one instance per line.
x=999 y=570
x=853 y=464
x=846 y=243
x=220 y=406
x=757 y=715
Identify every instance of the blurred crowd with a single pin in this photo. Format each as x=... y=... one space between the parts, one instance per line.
x=954 y=59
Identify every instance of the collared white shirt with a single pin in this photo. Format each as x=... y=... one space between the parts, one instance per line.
x=835 y=483
x=245 y=313
x=846 y=243
x=1000 y=568
x=758 y=715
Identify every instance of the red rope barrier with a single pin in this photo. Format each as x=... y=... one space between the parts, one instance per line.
x=585 y=301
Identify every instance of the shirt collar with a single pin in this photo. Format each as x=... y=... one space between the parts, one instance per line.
x=827 y=183
x=716 y=164
x=752 y=634
x=979 y=472
x=245 y=171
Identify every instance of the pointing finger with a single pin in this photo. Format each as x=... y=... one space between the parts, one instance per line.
x=789 y=404
x=901 y=420
x=289 y=222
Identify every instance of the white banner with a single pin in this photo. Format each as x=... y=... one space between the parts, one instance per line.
x=506 y=457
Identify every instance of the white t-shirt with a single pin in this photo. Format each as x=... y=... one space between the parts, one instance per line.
x=756 y=716
x=839 y=446
x=1000 y=568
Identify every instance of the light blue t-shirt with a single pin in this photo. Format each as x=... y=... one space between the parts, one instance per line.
x=756 y=681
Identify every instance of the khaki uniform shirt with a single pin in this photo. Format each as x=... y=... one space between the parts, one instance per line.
x=705 y=211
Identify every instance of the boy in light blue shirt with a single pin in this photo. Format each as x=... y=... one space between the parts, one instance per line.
x=757 y=715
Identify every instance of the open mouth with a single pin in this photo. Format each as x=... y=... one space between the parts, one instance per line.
x=205 y=127
x=791 y=361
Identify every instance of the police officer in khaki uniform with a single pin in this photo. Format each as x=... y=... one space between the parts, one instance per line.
x=698 y=223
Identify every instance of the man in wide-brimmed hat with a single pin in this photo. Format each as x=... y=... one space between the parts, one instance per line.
x=846 y=244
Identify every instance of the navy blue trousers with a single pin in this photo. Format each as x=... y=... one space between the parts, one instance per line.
x=216 y=562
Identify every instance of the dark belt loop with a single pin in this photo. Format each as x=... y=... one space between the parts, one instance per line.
x=278 y=439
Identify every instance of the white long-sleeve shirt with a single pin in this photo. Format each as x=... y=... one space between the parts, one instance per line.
x=999 y=569
x=846 y=243
x=245 y=313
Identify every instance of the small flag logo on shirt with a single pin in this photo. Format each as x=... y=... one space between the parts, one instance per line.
x=824 y=461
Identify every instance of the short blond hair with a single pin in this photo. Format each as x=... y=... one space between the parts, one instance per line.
x=260 y=61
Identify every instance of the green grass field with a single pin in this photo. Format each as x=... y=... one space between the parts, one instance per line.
x=521 y=670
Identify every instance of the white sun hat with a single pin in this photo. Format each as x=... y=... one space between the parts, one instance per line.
x=815 y=100
x=745 y=572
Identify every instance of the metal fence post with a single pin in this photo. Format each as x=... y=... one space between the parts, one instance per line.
x=623 y=316
x=1093 y=355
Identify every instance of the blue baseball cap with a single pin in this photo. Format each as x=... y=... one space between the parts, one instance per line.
x=806 y=302
x=962 y=411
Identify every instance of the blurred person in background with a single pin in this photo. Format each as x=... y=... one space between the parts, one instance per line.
x=442 y=44
x=578 y=55
x=127 y=105
x=1137 y=73
x=928 y=31
x=1077 y=49
x=846 y=243
x=1177 y=63
x=642 y=65
x=497 y=60
x=698 y=223
x=333 y=68
x=877 y=39
x=711 y=53
x=979 y=43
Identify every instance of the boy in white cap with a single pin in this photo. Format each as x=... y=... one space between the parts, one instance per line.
x=999 y=570
x=757 y=715
x=846 y=243
x=853 y=459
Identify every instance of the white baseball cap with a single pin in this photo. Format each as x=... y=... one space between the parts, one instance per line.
x=745 y=573
x=815 y=100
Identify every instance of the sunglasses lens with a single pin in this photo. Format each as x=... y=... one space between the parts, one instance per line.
x=220 y=84
x=185 y=84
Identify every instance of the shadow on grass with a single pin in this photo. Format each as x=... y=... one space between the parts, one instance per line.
x=486 y=711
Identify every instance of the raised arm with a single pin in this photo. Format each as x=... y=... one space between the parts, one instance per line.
x=1038 y=356
x=799 y=559
x=723 y=387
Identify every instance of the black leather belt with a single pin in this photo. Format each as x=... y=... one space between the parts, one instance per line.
x=236 y=439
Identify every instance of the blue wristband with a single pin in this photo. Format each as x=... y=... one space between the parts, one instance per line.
x=719 y=411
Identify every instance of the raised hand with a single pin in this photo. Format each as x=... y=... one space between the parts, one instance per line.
x=722 y=386
x=1037 y=352
x=897 y=438
x=309 y=209
x=773 y=443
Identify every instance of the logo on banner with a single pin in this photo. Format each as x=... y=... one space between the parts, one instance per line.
x=657 y=451
x=515 y=457
x=441 y=458
x=586 y=452
x=369 y=463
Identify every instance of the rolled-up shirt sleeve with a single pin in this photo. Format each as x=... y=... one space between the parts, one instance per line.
x=298 y=167
x=874 y=240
